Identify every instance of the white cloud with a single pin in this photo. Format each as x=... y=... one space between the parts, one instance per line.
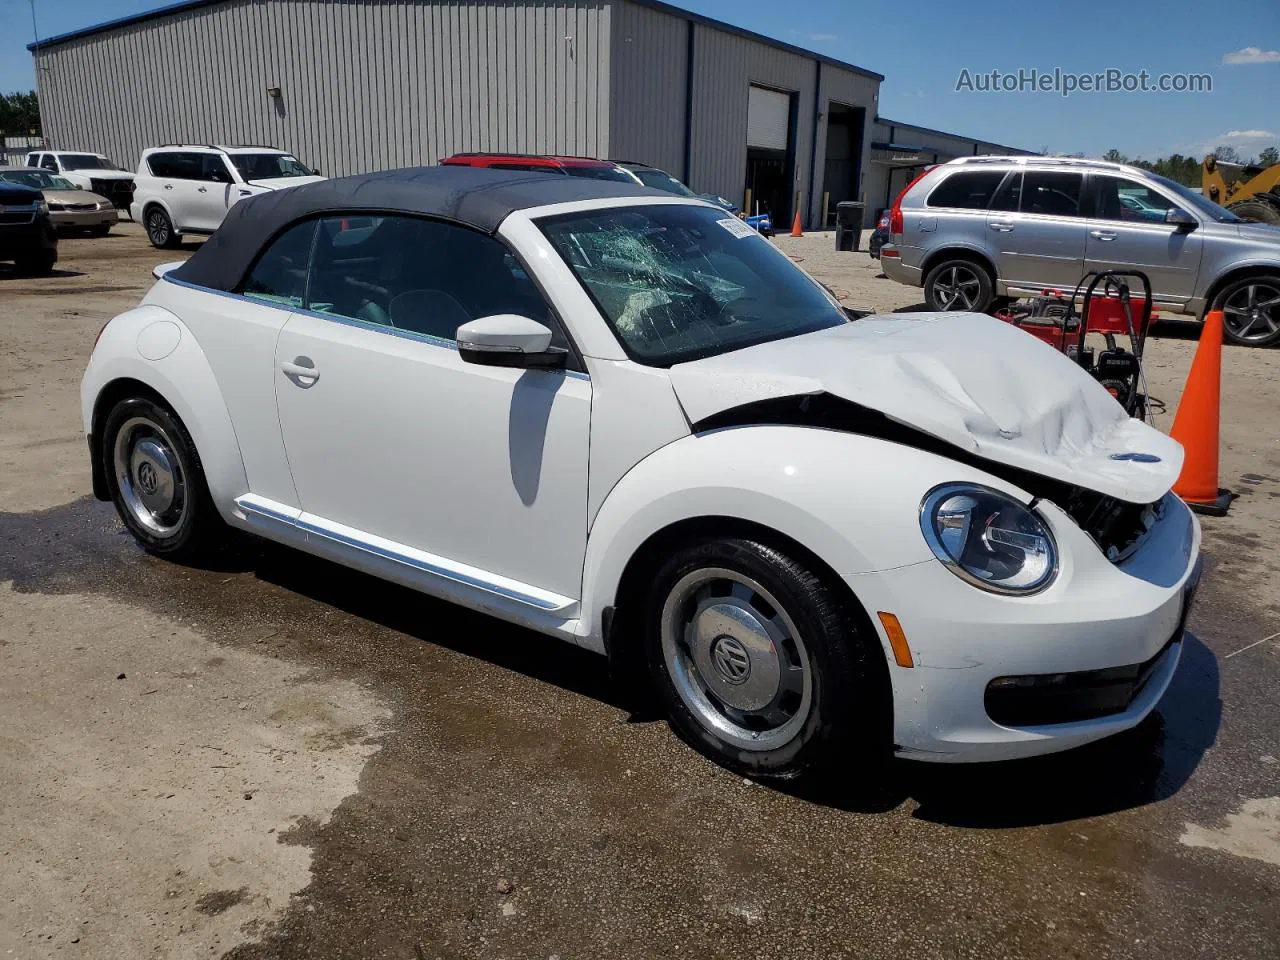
x=1252 y=55
x=1249 y=135
x=816 y=37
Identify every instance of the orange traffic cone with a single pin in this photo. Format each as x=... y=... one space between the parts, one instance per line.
x=795 y=226
x=1196 y=424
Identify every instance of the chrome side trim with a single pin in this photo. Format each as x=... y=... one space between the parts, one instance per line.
x=439 y=569
x=338 y=318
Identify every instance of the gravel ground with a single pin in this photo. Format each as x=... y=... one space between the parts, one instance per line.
x=285 y=759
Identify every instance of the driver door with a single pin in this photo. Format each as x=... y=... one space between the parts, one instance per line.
x=400 y=448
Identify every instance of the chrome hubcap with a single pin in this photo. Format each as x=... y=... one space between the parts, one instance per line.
x=1253 y=312
x=150 y=476
x=736 y=659
x=957 y=288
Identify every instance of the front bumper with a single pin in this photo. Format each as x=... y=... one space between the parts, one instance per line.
x=1103 y=643
x=81 y=219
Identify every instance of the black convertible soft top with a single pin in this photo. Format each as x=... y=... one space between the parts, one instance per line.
x=476 y=197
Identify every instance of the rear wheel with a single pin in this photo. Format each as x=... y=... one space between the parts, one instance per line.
x=1251 y=311
x=759 y=664
x=156 y=481
x=958 y=285
x=160 y=229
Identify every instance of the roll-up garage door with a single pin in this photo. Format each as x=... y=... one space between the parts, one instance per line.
x=768 y=118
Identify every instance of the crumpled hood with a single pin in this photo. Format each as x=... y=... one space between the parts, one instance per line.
x=971 y=380
x=279 y=183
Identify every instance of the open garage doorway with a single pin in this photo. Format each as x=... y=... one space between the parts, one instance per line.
x=771 y=153
x=842 y=173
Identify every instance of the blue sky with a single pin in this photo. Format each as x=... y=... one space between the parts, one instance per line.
x=921 y=47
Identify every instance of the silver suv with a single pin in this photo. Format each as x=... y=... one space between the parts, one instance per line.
x=981 y=228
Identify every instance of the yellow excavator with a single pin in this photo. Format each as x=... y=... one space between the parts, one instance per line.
x=1250 y=192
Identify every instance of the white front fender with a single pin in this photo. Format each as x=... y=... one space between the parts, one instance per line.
x=854 y=501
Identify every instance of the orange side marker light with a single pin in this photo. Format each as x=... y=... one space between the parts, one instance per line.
x=897 y=639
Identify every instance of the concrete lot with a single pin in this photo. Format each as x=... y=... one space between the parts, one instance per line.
x=286 y=759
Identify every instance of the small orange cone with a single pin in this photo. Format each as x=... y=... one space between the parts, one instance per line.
x=1196 y=424
x=795 y=226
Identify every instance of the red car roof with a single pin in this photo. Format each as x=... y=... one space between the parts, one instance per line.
x=524 y=159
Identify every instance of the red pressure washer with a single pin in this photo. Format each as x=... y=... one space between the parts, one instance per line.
x=1052 y=319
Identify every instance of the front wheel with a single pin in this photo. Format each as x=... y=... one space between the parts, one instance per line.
x=100 y=231
x=958 y=285
x=160 y=229
x=760 y=665
x=1260 y=210
x=40 y=265
x=156 y=481
x=1251 y=311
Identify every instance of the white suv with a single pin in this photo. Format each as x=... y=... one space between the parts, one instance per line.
x=189 y=188
x=89 y=171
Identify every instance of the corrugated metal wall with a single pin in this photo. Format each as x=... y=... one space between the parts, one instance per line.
x=854 y=90
x=647 y=113
x=365 y=84
x=724 y=66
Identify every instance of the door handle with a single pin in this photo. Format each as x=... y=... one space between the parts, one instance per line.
x=202 y=189
x=168 y=186
x=1102 y=234
x=1001 y=226
x=301 y=371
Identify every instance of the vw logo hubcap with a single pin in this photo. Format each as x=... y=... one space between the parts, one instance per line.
x=731 y=660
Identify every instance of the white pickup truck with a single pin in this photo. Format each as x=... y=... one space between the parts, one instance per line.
x=91 y=171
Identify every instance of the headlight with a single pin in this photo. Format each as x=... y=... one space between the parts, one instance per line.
x=988 y=539
x=41 y=207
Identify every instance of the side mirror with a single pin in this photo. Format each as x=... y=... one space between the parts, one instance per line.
x=79 y=186
x=508 y=340
x=1179 y=218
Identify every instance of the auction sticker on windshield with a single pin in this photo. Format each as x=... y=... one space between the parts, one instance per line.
x=736 y=227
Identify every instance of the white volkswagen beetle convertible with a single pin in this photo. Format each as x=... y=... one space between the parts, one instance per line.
x=623 y=419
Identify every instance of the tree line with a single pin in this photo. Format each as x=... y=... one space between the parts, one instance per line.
x=1186 y=170
x=19 y=114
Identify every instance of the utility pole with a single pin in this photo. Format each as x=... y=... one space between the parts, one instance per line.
x=35 y=53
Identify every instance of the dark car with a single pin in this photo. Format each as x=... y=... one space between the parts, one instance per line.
x=879 y=236
x=659 y=179
x=27 y=236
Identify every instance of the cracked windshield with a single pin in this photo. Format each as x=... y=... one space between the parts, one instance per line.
x=682 y=282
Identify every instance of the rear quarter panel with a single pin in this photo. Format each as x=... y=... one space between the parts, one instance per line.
x=182 y=376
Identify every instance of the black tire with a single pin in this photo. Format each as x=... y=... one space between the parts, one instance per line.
x=1250 y=310
x=40 y=265
x=194 y=529
x=958 y=284
x=99 y=231
x=160 y=229
x=1260 y=210
x=845 y=713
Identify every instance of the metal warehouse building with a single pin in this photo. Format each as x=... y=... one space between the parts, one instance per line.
x=899 y=151
x=357 y=85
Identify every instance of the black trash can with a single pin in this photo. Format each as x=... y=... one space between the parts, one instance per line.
x=849 y=224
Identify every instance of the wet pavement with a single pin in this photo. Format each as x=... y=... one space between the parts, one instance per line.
x=514 y=808
x=507 y=759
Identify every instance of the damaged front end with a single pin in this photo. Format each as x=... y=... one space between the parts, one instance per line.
x=1115 y=525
